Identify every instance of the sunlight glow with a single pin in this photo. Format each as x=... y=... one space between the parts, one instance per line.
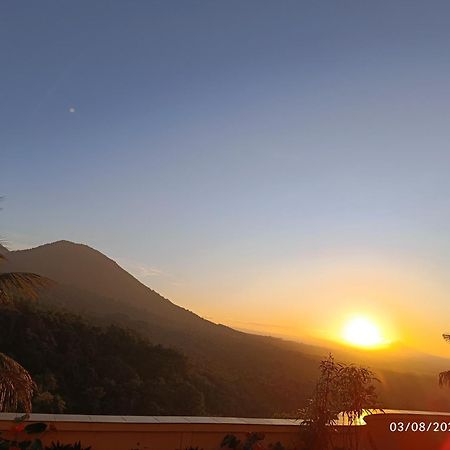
x=363 y=332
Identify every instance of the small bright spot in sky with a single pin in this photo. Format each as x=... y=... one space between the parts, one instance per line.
x=71 y=109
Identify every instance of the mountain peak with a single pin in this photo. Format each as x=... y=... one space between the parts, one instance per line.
x=68 y=249
x=85 y=268
x=63 y=243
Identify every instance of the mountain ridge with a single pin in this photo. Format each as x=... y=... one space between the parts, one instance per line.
x=265 y=373
x=97 y=272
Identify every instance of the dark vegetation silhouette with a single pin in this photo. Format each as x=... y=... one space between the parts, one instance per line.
x=343 y=393
x=81 y=368
x=444 y=377
x=16 y=384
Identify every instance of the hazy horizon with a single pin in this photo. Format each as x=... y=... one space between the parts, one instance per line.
x=279 y=167
x=328 y=342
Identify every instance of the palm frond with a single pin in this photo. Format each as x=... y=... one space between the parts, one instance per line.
x=3 y=248
x=26 y=284
x=16 y=386
x=444 y=378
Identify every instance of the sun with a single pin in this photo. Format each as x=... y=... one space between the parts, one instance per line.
x=361 y=331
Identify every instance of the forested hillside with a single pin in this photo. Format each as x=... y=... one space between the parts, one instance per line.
x=81 y=368
x=173 y=361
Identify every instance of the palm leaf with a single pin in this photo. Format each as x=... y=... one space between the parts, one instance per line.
x=16 y=386
x=26 y=284
x=444 y=378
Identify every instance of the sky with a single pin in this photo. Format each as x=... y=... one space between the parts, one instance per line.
x=277 y=166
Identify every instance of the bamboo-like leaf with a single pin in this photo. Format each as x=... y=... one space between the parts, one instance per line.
x=16 y=386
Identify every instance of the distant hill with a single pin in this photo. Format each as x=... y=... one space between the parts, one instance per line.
x=90 y=282
x=87 y=269
x=253 y=375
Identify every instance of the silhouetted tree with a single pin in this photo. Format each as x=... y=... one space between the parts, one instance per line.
x=16 y=385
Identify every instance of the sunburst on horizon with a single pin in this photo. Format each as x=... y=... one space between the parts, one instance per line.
x=364 y=332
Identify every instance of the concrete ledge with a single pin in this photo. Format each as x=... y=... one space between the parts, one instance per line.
x=207 y=433
x=153 y=432
x=149 y=419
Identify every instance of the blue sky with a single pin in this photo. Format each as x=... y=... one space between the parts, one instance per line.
x=213 y=148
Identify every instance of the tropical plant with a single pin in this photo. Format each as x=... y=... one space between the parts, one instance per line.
x=252 y=442
x=342 y=390
x=19 y=283
x=31 y=431
x=59 y=446
x=319 y=417
x=230 y=441
x=16 y=385
x=444 y=377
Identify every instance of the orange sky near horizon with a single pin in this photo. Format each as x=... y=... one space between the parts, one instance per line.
x=313 y=302
x=312 y=299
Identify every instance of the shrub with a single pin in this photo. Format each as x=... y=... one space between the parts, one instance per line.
x=343 y=389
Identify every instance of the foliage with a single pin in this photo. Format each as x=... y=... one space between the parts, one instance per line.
x=34 y=428
x=230 y=441
x=16 y=384
x=81 y=368
x=356 y=392
x=252 y=442
x=36 y=444
x=341 y=389
x=444 y=377
x=58 y=446
x=24 y=284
